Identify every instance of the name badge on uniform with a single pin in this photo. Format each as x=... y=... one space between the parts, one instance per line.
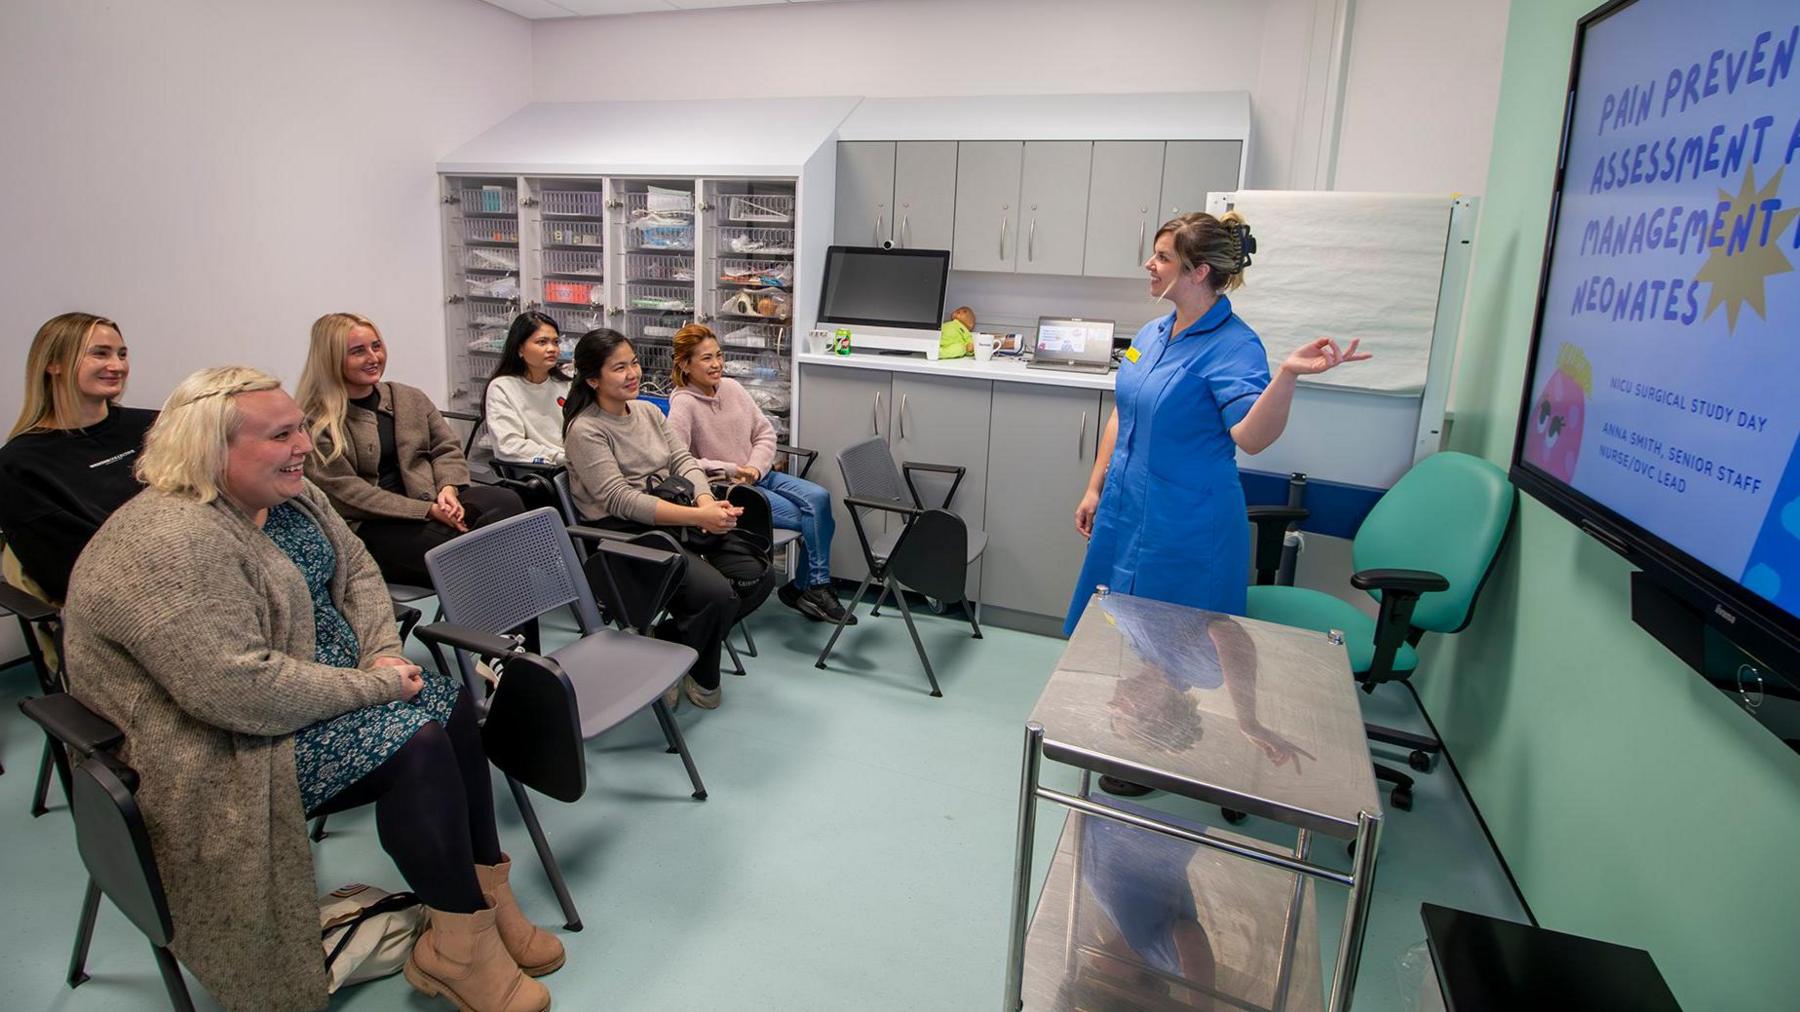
x=1131 y=353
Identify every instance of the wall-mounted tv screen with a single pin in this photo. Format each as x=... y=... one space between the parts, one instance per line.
x=1661 y=408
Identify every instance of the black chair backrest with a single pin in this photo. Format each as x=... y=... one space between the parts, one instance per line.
x=115 y=846
x=564 y=500
x=932 y=557
x=870 y=472
x=533 y=728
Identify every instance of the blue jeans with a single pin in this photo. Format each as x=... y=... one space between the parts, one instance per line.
x=796 y=504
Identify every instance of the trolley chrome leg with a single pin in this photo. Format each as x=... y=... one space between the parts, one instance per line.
x=1356 y=913
x=1028 y=782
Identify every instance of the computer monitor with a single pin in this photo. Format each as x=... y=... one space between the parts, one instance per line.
x=887 y=298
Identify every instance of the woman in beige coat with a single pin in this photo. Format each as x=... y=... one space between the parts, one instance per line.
x=386 y=458
x=228 y=621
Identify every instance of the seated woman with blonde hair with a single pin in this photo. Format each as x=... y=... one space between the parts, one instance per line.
x=67 y=463
x=384 y=456
x=229 y=622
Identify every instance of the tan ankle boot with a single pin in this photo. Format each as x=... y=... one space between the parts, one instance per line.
x=461 y=957
x=535 y=950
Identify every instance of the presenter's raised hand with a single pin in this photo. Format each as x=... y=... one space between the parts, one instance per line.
x=1318 y=356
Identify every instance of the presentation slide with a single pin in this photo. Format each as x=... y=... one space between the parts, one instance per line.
x=1667 y=379
x=1071 y=338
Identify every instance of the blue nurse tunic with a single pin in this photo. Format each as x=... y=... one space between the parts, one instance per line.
x=1171 y=523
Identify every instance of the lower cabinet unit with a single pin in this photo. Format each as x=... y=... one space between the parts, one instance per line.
x=1040 y=453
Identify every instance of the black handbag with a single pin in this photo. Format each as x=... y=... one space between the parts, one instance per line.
x=744 y=555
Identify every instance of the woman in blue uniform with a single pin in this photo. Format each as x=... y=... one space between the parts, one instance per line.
x=1164 y=513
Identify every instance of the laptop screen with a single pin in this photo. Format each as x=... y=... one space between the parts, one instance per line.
x=1074 y=340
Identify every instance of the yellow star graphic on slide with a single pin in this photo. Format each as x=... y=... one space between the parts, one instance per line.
x=1752 y=251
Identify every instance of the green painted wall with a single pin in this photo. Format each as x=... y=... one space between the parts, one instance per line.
x=1631 y=800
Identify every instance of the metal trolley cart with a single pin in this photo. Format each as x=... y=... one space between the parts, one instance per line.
x=1146 y=911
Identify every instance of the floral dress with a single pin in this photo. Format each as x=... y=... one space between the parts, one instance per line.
x=333 y=754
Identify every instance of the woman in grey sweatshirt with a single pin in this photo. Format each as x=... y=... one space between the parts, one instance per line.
x=615 y=445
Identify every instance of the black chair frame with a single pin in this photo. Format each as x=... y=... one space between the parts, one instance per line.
x=924 y=549
x=111 y=836
x=37 y=618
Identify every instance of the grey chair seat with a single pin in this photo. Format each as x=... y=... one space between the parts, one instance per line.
x=882 y=544
x=616 y=674
x=784 y=537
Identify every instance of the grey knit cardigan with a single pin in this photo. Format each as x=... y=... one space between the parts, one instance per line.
x=189 y=629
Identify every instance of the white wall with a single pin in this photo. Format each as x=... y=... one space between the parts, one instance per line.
x=1397 y=134
x=1419 y=98
x=214 y=176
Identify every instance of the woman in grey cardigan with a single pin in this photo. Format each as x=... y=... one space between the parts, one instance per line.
x=228 y=621
x=386 y=458
x=616 y=444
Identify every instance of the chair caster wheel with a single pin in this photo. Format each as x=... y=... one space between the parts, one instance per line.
x=1402 y=798
x=1419 y=760
x=1234 y=816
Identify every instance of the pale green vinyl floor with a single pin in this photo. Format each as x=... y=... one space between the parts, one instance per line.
x=855 y=853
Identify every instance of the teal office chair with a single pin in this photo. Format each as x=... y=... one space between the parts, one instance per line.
x=1424 y=552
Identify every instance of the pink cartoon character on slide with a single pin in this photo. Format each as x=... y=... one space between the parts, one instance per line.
x=1553 y=432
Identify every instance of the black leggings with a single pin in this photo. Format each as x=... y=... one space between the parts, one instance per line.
x=399 y=546
x=434 y=810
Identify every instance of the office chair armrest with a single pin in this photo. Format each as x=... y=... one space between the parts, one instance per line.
x=908 y=467
x=527 y=467
x=69 y=721
x=24 y=605
x=1272 y=524
x=882 y=504
x=1401 y=581
x=669 y=567
x=1400 y=590
x=486 y=645
x=596 y=533
x=491 y=646
x=809 y=456
x=461 y=416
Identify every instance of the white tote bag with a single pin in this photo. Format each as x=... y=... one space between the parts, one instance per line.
x=368 y=932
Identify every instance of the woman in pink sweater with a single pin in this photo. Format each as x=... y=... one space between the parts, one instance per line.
x=734 y=441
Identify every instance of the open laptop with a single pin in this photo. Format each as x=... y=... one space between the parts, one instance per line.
x=1074 y=345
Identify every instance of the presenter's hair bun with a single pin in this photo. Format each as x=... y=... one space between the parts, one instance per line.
x=1223 y=244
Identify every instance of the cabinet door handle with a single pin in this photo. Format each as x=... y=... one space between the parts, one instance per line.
x=1081 y=437
x=878 y=413
x=1031 y=241
x=880 y=219
x=903 y=416
x=905 y=231
x=1003 y=222
x=1142 y=222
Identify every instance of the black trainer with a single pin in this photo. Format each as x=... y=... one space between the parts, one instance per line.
x=816 y=603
